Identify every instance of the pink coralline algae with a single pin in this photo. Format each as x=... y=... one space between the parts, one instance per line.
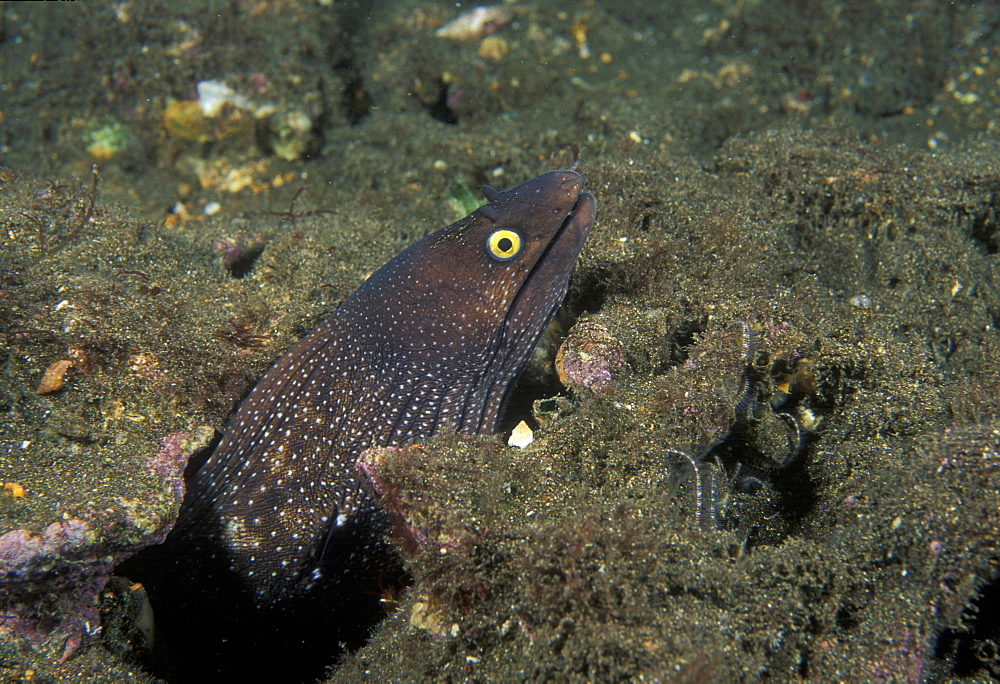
x=405 y=480
x=169 y=462
x=44 y=579
x=237 y=253
x=371 y=464
x=589 y=359
x=50 y=581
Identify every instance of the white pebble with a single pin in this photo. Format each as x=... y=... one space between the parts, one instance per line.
x=861 y=301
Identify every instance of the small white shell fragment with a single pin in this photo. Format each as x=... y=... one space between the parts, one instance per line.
x=476 y=23
x=521 y=436
x=861 y=301
x=212 y=95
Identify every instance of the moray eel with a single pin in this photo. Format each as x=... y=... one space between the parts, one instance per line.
x=432 y=341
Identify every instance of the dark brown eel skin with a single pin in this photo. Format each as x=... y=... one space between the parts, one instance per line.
x=278 y=518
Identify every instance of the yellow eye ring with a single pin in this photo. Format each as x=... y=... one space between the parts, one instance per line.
x=503 y=244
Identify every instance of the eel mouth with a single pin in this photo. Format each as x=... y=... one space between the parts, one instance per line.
x=550 y=272
x=544 y=288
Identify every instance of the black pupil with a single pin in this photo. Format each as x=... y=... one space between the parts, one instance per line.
x=505 y=245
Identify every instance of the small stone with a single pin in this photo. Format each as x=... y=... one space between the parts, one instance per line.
x=861 y=301
x=55 y=377
x=589 y=358
x=477 y=23
x=493 y=48
x=14 y=489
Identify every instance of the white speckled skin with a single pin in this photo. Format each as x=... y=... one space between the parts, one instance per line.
x=433 y=340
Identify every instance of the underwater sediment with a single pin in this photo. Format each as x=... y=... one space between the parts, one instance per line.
x=861 y=545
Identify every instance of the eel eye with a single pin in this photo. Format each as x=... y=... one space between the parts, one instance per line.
x=503 y=245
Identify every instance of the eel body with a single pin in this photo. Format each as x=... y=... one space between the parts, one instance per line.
x=433 y=340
